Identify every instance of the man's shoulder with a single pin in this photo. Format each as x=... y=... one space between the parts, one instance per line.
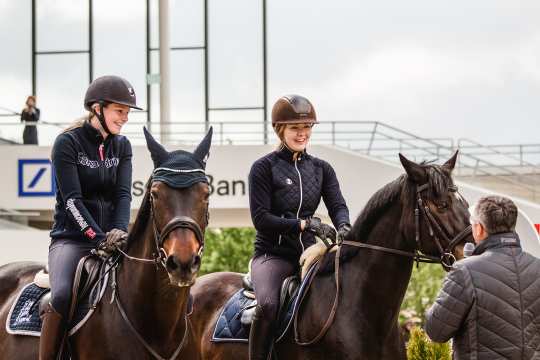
x=489 y=260
x=472 y=262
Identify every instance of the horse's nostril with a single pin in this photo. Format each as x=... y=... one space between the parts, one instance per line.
x=196 y=262
x=171 y=263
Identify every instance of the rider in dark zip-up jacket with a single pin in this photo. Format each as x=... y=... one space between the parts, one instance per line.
x=92 y=168
x=93 y=179
x=285 y=189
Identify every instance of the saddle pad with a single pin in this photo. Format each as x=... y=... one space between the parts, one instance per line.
x=23 y=317
x=229 y=328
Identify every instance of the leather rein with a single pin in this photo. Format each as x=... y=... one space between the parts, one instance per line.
x=446 y=259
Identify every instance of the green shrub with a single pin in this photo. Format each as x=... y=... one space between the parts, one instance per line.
x=420 y=347
x=424 y=286
x=227 y=249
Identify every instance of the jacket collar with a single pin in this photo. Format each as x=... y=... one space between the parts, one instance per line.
x=287 y=154
x=93 y=134
x=498 y=241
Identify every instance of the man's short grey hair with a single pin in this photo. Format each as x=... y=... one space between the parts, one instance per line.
x=496 y=213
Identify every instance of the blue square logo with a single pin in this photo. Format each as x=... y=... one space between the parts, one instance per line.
x=36 y=178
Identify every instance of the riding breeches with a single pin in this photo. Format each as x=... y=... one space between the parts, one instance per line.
x=267 y=274
x=64 y=256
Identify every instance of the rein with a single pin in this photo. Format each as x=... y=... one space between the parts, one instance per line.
x=446 y=259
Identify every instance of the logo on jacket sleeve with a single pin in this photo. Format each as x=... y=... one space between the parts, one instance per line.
x=90 y=233
x=288 y=181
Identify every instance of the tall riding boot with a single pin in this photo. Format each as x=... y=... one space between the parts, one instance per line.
x=52 y=334
x=261 y=337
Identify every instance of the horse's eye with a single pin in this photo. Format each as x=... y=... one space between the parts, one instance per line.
x=443 y=205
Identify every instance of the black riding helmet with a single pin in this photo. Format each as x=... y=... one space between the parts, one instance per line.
x=109 y=89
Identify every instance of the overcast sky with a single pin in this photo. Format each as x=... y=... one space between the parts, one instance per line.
x=435 y=68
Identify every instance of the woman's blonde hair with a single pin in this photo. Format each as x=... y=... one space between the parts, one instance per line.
x=78 y=123
x=280 y=132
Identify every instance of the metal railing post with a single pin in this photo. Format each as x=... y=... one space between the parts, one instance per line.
x=333 y=133
x=372 y=137
x=221 y=133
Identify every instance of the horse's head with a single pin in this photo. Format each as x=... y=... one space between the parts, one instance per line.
x=438 y=217
x=179 y=195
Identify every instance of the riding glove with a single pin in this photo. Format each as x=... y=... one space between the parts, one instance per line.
x=343 y=231
x=116 y=238
x=323 y=231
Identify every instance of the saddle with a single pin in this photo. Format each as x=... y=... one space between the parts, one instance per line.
x=289 y=290
x=86 y=276
x=234 y=321
x=90 y=282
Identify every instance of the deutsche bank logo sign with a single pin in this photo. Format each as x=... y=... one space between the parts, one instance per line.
x=36 y=178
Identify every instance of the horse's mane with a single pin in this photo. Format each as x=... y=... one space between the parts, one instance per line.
x=439 y=180
x=141 y=220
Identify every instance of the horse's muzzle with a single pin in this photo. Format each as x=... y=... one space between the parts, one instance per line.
x=182 y=274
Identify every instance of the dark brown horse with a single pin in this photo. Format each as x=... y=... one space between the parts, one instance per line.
x=148 y=317
x=373 y=279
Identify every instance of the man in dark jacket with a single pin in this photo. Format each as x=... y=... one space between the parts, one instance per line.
x=490 y=302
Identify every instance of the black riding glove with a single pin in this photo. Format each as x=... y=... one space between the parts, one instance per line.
x=115 y=239
x=323 y=231
x=343 y=231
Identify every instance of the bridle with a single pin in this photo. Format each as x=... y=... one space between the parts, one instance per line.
x=436 y=231
x=177 y=222
x=159 y=258
x=447 y=258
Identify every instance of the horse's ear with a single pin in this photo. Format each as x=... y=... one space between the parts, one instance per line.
x=157 y=151
x=203 y=150
x=451 y=163
x=415 y=172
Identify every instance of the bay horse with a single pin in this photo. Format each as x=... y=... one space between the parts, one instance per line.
x=143 y=313
x=421 y=211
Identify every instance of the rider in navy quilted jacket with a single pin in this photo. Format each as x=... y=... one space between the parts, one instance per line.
x=92 y=168
x=285 y=189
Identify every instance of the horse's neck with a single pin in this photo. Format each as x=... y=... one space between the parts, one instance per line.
x=156 y=308
x=384 y=276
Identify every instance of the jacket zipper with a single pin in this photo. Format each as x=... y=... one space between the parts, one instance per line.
x=101 y=173
x=280 y=236
x=301 y=200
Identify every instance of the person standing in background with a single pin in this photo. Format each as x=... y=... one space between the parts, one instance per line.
x=30 y=117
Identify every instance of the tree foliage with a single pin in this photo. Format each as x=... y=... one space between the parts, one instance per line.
x=227 y=249
x=420 y=347
x=426 y=280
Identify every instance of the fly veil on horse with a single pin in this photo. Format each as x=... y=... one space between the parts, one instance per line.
x=141 y=303
x=351 y=309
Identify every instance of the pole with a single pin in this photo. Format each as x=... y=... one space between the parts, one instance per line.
x=148 y=70
x=34 y=67
x=164 y=70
